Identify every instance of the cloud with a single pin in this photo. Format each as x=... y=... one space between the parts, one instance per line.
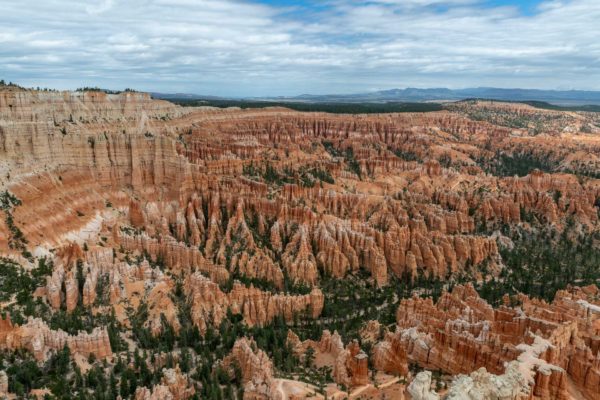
x=235 y=47
x=99 y=8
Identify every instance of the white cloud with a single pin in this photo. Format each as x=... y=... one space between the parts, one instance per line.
x=231 y=47
x=99 y=8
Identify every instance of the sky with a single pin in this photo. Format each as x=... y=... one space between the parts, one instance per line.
x=284 y=47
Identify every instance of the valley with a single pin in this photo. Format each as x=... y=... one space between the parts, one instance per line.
x=154 y=251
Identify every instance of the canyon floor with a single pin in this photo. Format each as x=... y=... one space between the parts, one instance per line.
x=153 y=251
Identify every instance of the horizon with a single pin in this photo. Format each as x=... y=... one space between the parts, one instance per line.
x=265 y=48
x=82 y=88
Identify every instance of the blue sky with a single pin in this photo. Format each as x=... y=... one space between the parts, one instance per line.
x=525 y=6
x=284 y=47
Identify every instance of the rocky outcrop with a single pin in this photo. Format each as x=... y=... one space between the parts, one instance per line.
x=295 y=344
x=161 y=308
x=157 y=392
x=174 y=386
x=420 y=387
x=515 y=353
x=351 y=366
x=390 y=356
x=371 y=332
x=210 y=304
x=256 y=369
x=54 y=292
x=36 y=337
x=298 y=259
x=239 y=252
x=4 y=384
x=481 y=384
x=175 y=255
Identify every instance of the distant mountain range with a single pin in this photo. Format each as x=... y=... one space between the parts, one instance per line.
x=559 y=97
x=184 y=96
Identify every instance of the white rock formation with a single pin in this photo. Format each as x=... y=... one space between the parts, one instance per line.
x=483 y=385
x=420 y=387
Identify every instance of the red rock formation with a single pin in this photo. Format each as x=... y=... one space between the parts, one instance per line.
x=210 y=304
x=371 y=332
x=199 y=169
x=54 y=288
x=174 y=386
x=175 y=255
x=546 y=344
x=256 y=369
x=39 y=339
x=389 y=356
x=350 y=363
x=294 y=343
x=160 y=305
x=356 y=363
x=278 y=196
x=298 y=259
x=238 y=251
